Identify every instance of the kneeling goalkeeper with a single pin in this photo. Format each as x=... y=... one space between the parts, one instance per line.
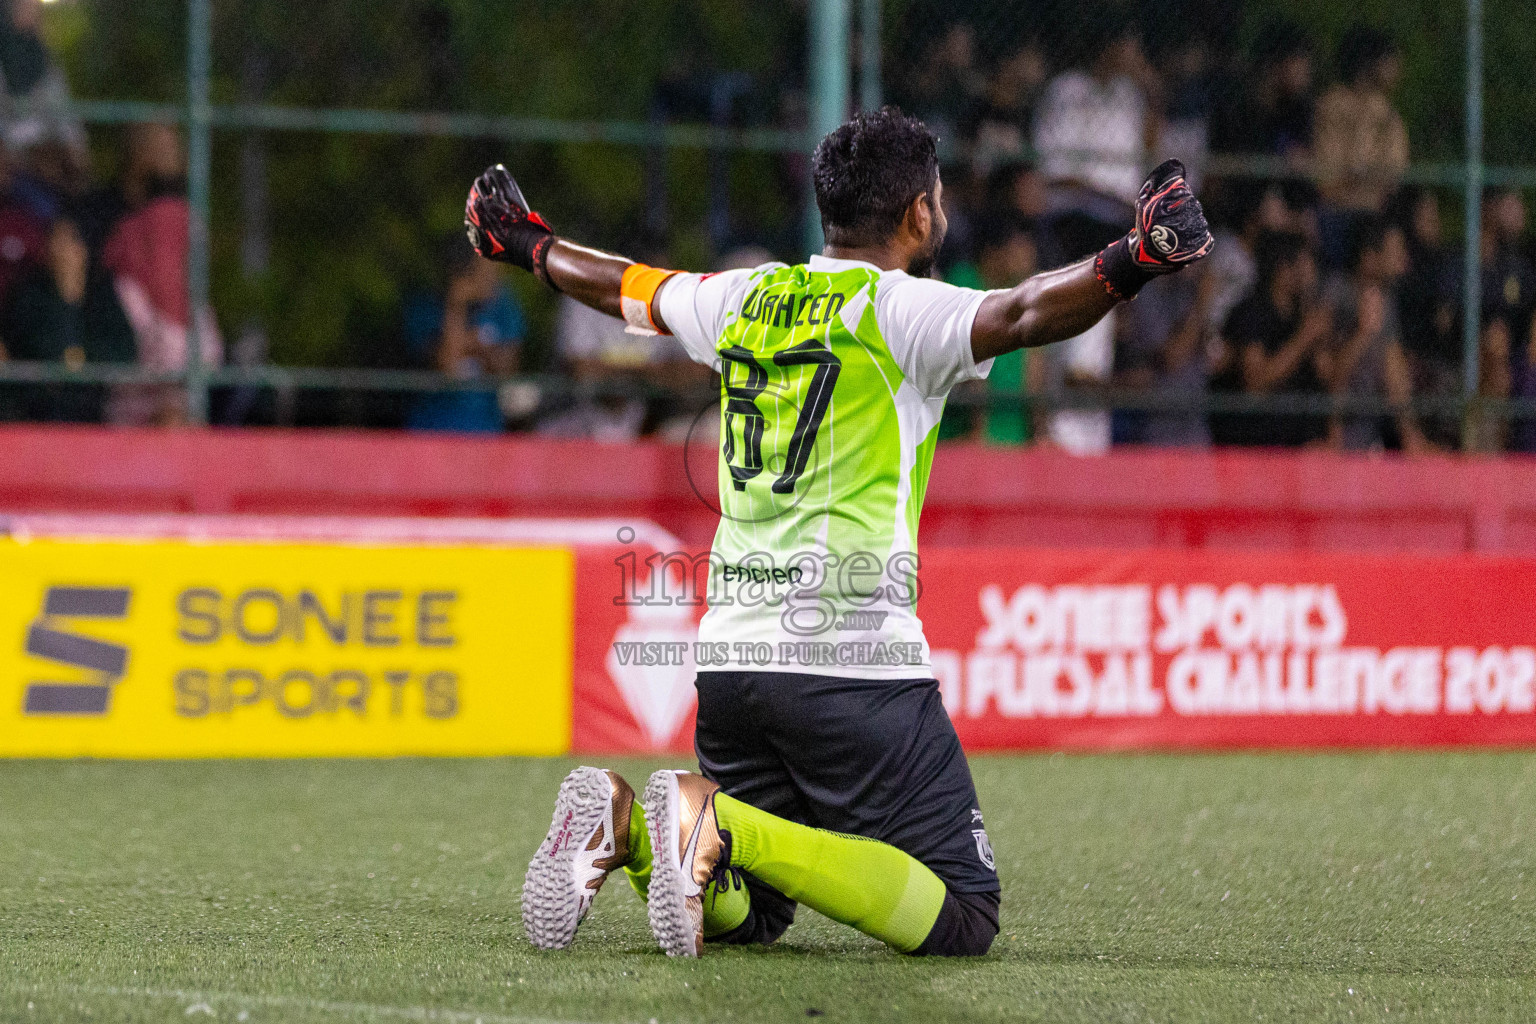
x=830 y=775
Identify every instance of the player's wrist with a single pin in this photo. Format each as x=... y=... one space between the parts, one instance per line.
x=1118 y=271
x=538 y=258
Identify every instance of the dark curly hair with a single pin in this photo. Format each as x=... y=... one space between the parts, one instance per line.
x=869 y=171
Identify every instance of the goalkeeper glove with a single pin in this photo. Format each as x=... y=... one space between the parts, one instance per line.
x=501 y=227
x=1170 y=233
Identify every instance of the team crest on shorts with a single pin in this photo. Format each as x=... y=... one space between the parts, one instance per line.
x=983 y=844
x=984 y=848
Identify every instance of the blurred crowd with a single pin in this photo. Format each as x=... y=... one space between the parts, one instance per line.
x=89 y=272
x=1331 y=280
x=1333 y=284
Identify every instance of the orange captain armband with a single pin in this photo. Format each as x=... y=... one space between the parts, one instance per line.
x=637 y=291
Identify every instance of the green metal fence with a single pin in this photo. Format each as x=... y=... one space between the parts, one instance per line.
x=838 y=73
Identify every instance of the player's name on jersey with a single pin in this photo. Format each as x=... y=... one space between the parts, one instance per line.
x=791 y=309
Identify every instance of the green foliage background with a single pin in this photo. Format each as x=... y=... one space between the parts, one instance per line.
x=357 y=219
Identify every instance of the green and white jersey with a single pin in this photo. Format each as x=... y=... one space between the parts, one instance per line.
x=834 y=375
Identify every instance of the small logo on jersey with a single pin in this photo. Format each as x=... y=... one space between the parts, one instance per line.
x=984 y=848
x=1164 y=239
x=861 y=621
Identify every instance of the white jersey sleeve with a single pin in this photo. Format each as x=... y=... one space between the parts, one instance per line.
x=696 y=308
x=927 y=326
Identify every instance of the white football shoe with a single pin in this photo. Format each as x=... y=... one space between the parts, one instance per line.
x=687 y=851
x=588 y=838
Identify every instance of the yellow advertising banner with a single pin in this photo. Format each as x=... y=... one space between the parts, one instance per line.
x=185 y=649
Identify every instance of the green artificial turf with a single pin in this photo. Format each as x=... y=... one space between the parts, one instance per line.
x=1148 y=888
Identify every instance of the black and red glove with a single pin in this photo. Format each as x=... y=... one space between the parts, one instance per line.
x=501 y=227
x=1170 y=234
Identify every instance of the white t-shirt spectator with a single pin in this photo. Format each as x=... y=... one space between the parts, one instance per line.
x=1094 y=132
x=584 y=335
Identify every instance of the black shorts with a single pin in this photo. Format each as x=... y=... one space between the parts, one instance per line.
x=877 y=758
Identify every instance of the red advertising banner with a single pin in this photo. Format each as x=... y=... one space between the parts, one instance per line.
x=1202 y=649
x=632 y=678
x=1170 y=649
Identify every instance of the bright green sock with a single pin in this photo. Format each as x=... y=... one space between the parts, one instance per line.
x=638 y=870
x=870 y=885
x=725 y=910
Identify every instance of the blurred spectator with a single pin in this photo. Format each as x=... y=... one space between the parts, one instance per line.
x=1189 y=88
x=155 y=166
x=474 y=331
x=66 y=311
x=146 y=253
x=37 y=119
x=1018 y=191
x=1509 y=280
x=1163 y=351
x=1272 y=341
x=1487 y=432
x=1093 y=126
x=632 y=383
x=1005 y=255
x=1273 y=116
x=1366 y=357
x=23 y=236
x=1092 y=132
x=1241 y=212
x=1429 y=297
x=609 y=363
x=996 y=127
x=1509 y=333
x=947 y=82
x=1522 y=385
x=1084 y=362
x=1359 y=141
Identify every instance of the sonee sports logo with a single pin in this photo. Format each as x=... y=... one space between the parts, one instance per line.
x=47 y=637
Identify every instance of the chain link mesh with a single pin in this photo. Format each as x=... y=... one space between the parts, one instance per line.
x=1313 y=131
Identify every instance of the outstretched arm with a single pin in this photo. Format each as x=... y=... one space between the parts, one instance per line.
x=1048 y=307
x=502 y=227
x=587 y=275
x=1170 y=233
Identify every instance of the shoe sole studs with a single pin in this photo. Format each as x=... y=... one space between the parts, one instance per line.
x=551 y=906
x=667 y=907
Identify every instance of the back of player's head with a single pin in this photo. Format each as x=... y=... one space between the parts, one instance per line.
x=868 y=172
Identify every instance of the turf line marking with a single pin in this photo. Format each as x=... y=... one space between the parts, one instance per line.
x=243 y=1001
